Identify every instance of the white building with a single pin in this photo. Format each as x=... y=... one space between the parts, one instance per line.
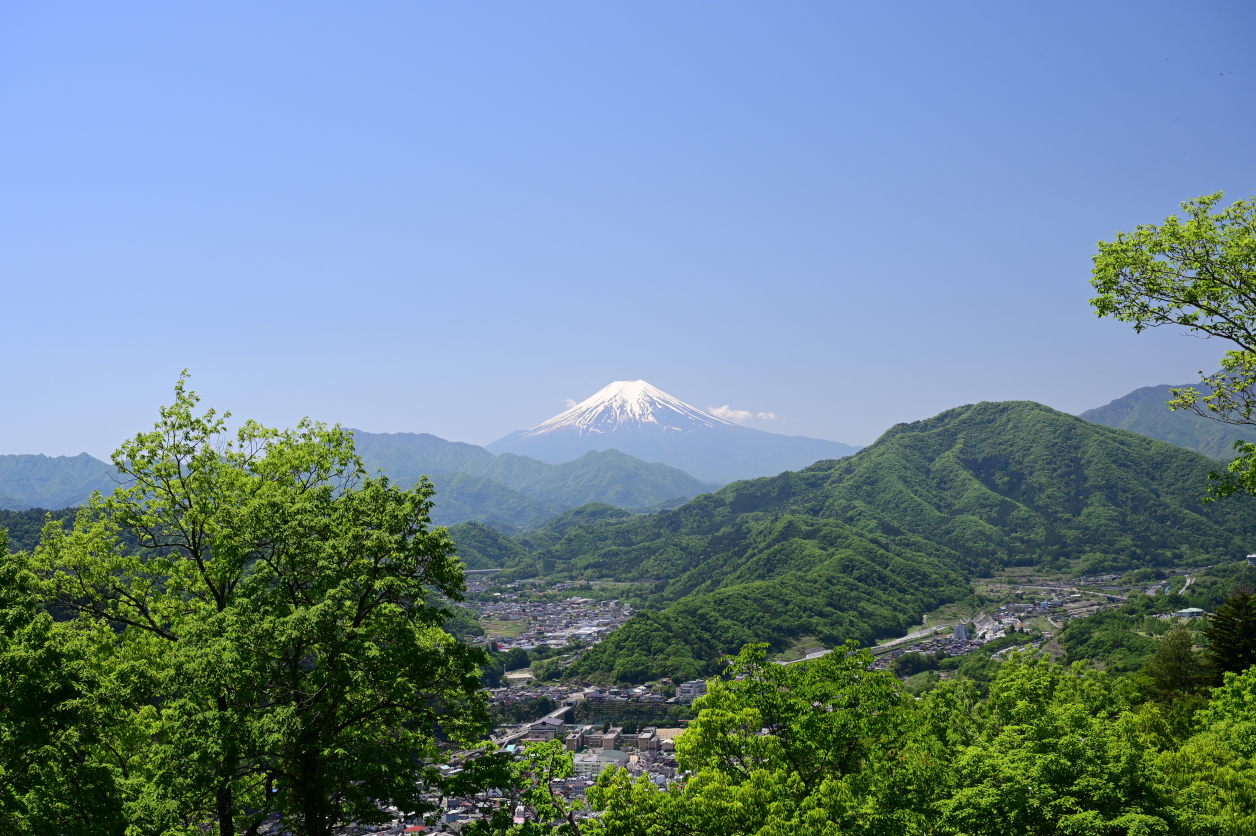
x=594 y=762
x=547 y=728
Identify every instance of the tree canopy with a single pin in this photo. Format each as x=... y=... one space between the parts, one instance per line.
x=1197 y=271
x=269 y=607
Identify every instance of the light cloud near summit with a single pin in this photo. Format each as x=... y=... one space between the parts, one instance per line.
x=734 y=415
x=737 y=416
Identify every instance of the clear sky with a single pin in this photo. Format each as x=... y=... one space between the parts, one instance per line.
x=452 y=217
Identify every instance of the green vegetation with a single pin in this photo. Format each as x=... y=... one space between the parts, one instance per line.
x=464 y=497
x=52 y=482
x=516 y=493
x=1110 y=637
x=251 y=636
x=483 y=547
x=1052 y=750
x=522 y=711
x=1197 y=272
x=1146 y=411
x=1231 y=635
x=861 y=548
x=24 y=527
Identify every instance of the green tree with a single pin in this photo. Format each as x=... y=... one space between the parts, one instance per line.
x=777 y=749
x=528 y=804
x=55 y=710
x=1058 y=753
x=547 y=670
x=1231 y=635
x=1214 y=772
x=1175 y=672
x=1198 y=272
x=283 y=597
x=515 y=659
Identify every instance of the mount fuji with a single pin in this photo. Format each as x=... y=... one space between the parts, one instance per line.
x=636 y=418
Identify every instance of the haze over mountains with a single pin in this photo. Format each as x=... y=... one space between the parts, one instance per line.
x=39 y=481
x=510 y=492
x=638 y=419
x=1145 y=412
x=630 y=446
x=516 y=492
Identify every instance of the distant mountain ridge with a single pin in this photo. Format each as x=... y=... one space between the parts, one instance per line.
x=511 y=492
x=53 y=482
x=517 y=492
x=1145 y=411
x=638 y=419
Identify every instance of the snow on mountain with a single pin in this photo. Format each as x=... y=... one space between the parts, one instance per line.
x=638 y=419
x=628 y=402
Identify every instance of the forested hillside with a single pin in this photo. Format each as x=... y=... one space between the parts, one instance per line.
x=1146 y=412
x=862 y=547
x=514 y=492
x=24 y=526
x=52 y=481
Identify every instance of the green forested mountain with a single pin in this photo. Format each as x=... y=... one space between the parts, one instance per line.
x=609 y=477
x=52 y=481
x=24 y=526
x=1145 y=411
x=407 y=456
x=483 y=547
x=862 y=547
x=461 y=497
x=516 y=492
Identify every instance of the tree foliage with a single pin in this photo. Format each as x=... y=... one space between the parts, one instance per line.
x=57 y=713
x=278 y=599
x=1231 y=634
x=833 y=748
x=1199 y=272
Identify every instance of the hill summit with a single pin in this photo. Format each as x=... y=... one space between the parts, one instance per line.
x=643 y=421
x=628 y=404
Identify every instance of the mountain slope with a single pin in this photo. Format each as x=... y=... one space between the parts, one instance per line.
x=407 y=456
x=862 y=547
x=614 y=478
x=515 y=491
x=642 y=421
x=461 y=497
x=52 y=482
x=1145 y=411
x=483 y=547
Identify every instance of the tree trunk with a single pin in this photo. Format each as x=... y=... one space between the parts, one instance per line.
x=313 y=800
x=224 y=801
x=226 y=813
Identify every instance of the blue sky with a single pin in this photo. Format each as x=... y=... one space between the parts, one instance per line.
x=451 y=218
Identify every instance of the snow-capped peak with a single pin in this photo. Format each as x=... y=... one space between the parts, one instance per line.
x=628 y=402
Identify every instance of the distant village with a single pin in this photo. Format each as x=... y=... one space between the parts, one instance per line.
x=650 y=750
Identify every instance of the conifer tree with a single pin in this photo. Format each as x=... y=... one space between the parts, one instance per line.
x=1175 y=671
x=1231 y=634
